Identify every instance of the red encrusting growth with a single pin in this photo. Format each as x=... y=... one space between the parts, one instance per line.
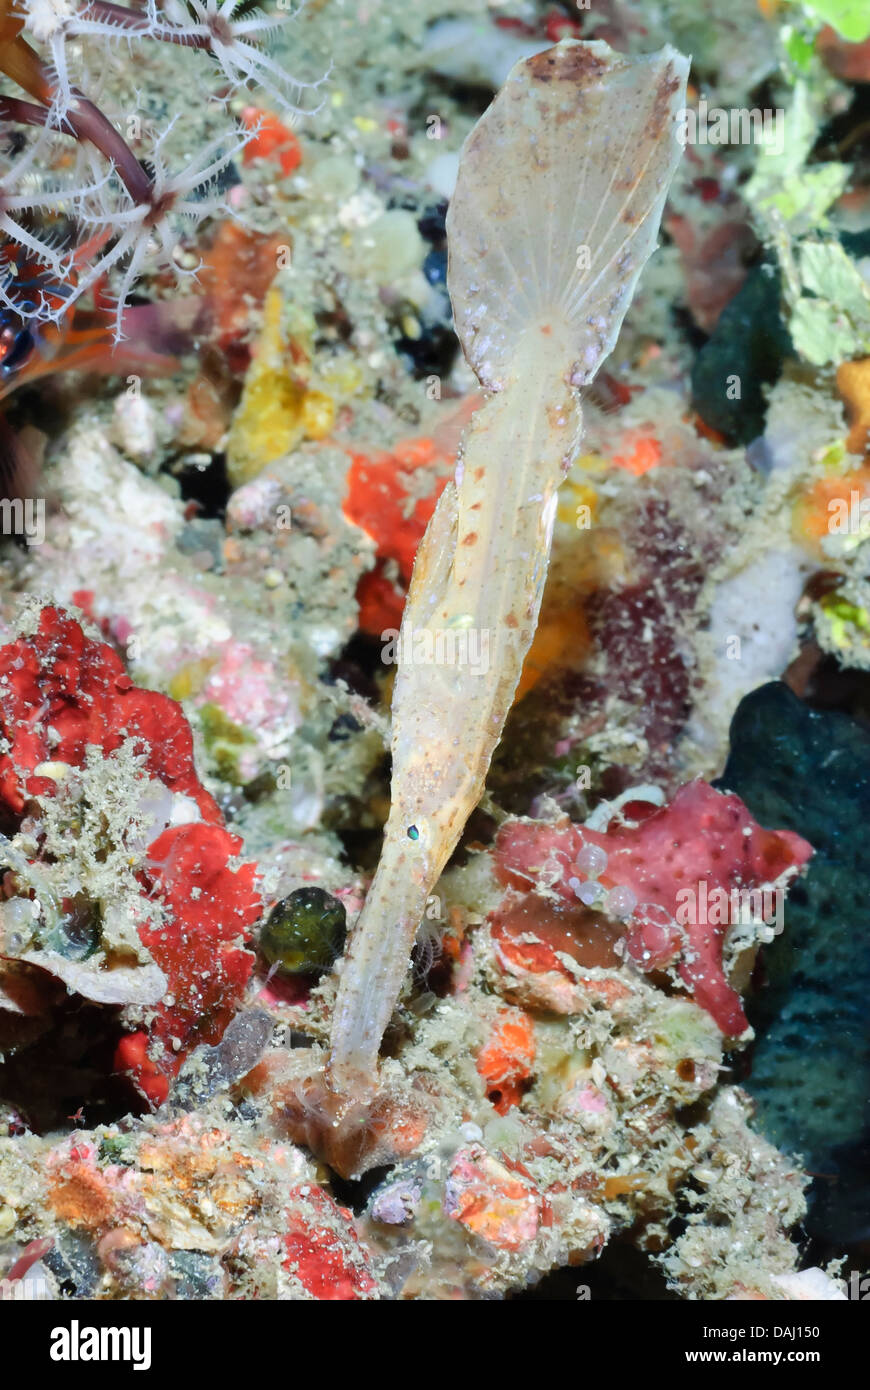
x=210 y=910
x=272 y=140
x=507 y=1058
x=381 y=502
x=323 y=1250
x=640 y=453
x=61 y=692
x=702 y=836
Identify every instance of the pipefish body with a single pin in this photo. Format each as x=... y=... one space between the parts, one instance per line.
x=557 y=207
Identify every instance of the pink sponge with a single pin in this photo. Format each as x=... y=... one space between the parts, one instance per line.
x=704 y=837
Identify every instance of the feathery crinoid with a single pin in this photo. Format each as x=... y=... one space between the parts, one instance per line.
x=234 y=34
x=120 y=206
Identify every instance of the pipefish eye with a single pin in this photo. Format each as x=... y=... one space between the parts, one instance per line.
x=413 y=832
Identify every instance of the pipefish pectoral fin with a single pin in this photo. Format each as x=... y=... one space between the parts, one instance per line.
x=434 y=560
x=558 y=201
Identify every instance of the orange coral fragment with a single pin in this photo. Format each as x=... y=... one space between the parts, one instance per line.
x=491 y=1202
x=81 y=1196
x=823 y=500
x=642 y=453
x=236 y=272
x=381 y=501
x=391 y=496
x=853 y=384
x=272 y=140
x=561 y=641
x=507 y=1059
x=624 y=1185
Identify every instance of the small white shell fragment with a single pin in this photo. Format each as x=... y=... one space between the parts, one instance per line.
x=811 y=1285
x=390 y=247
x=134 y=426
x=442 y=173
x=57 y=772
x=606 y=810
x=124 y=984
x=184 y=810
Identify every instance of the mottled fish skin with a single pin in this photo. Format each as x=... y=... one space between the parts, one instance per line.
x=534 y=328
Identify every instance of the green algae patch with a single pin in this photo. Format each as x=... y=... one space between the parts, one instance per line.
x=224 y=741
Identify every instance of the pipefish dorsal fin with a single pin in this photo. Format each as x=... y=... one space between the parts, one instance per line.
x=557 y=205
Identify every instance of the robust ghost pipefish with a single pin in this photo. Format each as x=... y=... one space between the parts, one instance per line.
x=557 y=207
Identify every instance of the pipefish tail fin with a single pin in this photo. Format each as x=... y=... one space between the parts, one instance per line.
x=543 y=239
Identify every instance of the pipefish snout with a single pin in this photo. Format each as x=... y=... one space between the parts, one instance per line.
x=557 y=207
